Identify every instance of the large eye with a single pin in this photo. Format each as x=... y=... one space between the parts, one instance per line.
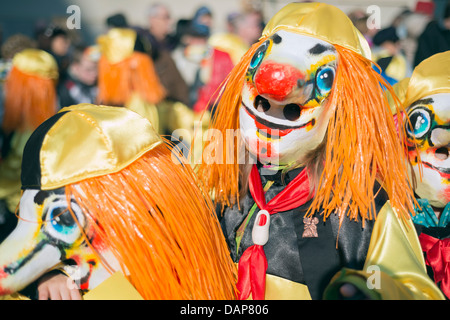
x=420 y=123
x=259 y=55
x=324 y=80
x=60 y=224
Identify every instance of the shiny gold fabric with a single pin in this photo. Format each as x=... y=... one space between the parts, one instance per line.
x=117 y=44
x=14 y=296
x=282 y=289
x=37 y=63
x=430 y=77
x=311 y=18
x=116 y=287
x=108 y=139
x=144 y=109
x=399 y=279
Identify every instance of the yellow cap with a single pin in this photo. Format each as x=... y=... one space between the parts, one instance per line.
x=85 y=141
x=117 y=44
x=431 y=76
x=314 y=19
x=37 y=63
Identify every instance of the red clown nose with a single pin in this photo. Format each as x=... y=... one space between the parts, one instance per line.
x=276 y=81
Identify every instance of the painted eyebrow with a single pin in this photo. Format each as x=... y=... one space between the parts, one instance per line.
x=320 y=48
x=421 y=101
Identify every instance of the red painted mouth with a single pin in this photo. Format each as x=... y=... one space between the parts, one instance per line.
x=272 y=130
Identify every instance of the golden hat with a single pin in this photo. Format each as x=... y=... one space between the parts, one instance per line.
x=84 y=141
x=117 y=44
x=322 y=21
x=431 y=76
x=37 y=63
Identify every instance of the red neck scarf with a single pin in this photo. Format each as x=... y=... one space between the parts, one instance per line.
x=253 y=262
x=438 y=258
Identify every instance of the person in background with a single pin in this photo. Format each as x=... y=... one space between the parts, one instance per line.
x=436 y=36
x=29 y=99
x=159 y=25
x=203 y=66
x=388 y=55
x=409 y=26
x=14 y=44
x=244 y=29
x=157 y=37
x=203 y=17
x=59 y=48
x=80 y=85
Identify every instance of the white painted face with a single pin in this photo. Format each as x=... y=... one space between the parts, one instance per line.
x=430 y=119
x=47 y=234
x=285 y=111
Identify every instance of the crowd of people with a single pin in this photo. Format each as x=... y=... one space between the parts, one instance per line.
x=169 y=72
x=184 y=59
x=410 y=38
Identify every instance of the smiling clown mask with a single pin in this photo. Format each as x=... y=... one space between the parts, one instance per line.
x=306 y=95
x=285 y=105
x=426 y=95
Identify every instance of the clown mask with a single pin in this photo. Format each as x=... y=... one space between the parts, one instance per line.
x=285 y=110
x=430 y=130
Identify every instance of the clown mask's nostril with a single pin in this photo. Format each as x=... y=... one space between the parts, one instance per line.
x=261 y=104
x=292 y=111
x=442 y=153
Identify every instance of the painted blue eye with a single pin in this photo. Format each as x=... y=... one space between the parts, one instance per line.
x=61 y=220
x=324 y=80
x=60 y=223
x=259 y=55
x=420 y=123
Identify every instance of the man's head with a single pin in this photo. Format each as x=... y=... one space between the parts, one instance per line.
x=85 y=65
x=159 y=20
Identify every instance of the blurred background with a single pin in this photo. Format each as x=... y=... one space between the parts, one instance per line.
x=33 y=18
x=26 y=16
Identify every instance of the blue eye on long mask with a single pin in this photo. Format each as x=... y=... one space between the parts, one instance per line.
x=59 y=222
x=420 y=123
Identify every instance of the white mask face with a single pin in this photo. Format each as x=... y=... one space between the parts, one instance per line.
x=285 y=108
x=430 y=120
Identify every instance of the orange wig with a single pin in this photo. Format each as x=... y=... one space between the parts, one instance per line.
x=362 y=144
x=160 y=227
x=29 y=100
x=136 y=74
